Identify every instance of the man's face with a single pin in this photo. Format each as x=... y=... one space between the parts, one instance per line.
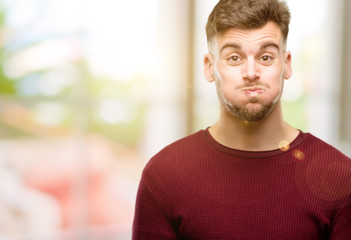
x=249 y=67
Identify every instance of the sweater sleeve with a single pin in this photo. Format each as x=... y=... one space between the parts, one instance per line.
x=150 y=221
x=342 y=225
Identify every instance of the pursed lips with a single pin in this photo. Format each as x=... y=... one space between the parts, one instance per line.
x=255 y=90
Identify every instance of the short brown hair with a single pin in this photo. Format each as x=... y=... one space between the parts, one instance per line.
x=247 y=14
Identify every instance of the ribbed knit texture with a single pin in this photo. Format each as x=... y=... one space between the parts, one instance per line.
x=197 y=188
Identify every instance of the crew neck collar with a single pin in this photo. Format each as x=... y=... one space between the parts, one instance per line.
x=252 y=154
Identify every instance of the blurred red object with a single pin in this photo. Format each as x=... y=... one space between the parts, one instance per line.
x=88 y=180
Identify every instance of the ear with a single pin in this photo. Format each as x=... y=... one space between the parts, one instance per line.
x=209 y=67
x=288 y=68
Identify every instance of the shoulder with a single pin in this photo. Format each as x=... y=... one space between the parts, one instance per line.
x=188 y=142
x=322 y=150
x=325 y=159
x=326 y=170
x=176 y=154
x=168 y=172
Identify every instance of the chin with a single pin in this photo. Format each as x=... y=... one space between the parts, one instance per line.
x=251 y=112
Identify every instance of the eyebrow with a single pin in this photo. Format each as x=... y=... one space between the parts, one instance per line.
x=230 y=45
x=270 y=44
x=238 y=47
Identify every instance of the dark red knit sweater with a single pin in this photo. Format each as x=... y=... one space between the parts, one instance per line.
x=197 y=188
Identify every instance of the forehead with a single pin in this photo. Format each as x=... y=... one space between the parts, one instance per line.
x=270 y=32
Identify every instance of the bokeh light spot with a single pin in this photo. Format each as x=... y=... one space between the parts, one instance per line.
x=298 y=155
x=284 y=145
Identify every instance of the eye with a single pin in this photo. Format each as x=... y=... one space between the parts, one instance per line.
x=234 y=59
x=266 y=59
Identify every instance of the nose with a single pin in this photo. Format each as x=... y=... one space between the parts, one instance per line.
x=250 y=71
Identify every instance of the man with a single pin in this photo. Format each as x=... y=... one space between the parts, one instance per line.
x=251 y=175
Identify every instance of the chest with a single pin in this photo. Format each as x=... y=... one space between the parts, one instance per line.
x=249 y=207
x=216 y=218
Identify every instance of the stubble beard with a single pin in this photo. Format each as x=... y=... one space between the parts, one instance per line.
x=254 y=113
x=250 y=112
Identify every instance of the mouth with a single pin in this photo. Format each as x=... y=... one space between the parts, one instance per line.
x=253 y=91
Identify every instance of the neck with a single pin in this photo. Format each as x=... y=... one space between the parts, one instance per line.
x=267 y=134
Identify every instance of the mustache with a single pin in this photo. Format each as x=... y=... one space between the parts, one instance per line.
x=253 y=85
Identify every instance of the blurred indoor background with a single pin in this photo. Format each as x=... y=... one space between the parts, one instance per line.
x=91 y=89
